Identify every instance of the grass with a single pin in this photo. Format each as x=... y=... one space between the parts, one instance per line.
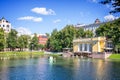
x=19 y=55
x=115 y=56
x=24 y=55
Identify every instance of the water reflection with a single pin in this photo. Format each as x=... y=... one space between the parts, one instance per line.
x=52 y=60
x=61 y=69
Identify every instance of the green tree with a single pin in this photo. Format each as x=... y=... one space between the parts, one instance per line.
x=68 y=34
x=61 y=39
x=2 y=39
x=23 y=41
x=114 y=3
x=111 y=30
x=47 y=34
x=88 y=34
x=80 y=33
x=56 y=42
x=40 y=46
x=12 y=39
x=34 y=44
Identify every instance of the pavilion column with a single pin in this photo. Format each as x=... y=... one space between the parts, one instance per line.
x=78 y=47
x=88 y=47
x=83 y=47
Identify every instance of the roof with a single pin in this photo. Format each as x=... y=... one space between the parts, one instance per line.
x=4 y=19
x=84 y=40
x=94 y=24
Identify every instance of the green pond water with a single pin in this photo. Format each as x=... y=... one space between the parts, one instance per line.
x=60 y=69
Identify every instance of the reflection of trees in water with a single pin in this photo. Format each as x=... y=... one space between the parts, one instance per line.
x=115 y=70
x=4 y=70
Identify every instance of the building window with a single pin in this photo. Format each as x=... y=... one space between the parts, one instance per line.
x=85 y=47
x=8 y=26
x=80 y=47
x=3 y=25
x=109 y=45
x=90 y=47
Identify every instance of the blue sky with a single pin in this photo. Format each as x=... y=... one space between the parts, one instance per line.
x=42 y=16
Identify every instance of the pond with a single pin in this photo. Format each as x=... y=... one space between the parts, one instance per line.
x=60 y=69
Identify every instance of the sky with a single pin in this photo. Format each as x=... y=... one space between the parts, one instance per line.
x=42 y=16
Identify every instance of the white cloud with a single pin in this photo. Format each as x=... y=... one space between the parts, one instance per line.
x=23 y=31
x=35 y=19
x=110 y=17
x=57 y=21
x=43 y=11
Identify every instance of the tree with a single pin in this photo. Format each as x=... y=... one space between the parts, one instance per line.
x=47 y=34
x=69 y=32
x=88 y=34
x=40 y=46
x=34 y=43
x=61 y=39
x=2 y=39
x=80 y=33
x=111 y=30
x=104 y=30
x=23 y=41
x=54 y=41
x=12 y=39
x=115 y=4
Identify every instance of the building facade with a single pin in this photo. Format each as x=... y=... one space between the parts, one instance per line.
x=91 y=27
x=42 y=39
x=6 y=25
x=92 y=45
x=94 y=26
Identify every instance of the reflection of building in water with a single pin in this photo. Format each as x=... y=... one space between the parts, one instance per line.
x=92 y=45
x=100 y=69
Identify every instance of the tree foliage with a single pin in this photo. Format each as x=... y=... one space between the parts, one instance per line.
x=23 y=41
x=12 y=39
x=111 y=30
x=64 y=38
x=88 y=34
x=115 y=4
x=2 y=39
x=80 y=33
x=34 y=43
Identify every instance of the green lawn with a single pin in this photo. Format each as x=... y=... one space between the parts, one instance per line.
x=19 y=55
x=24 y=55
x=115 y=56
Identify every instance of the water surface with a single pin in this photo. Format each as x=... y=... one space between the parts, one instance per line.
x=60 y=69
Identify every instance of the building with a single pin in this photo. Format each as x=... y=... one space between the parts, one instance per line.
x=94 y=26
x=92 y=45
x=6 y=25
x=42 y=39
x=77 y=26
x=91 y=27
